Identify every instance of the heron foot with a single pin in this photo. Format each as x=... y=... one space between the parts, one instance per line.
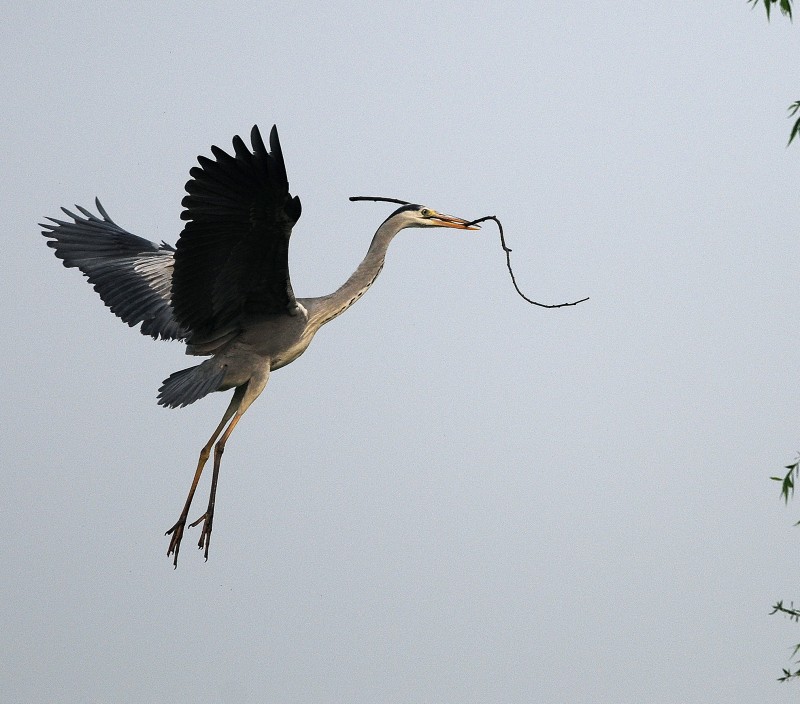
x=175 y=542
x=205 y=534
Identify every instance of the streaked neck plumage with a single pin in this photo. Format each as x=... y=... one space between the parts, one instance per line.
x=326 y=308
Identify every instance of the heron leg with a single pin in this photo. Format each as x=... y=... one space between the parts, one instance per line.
x=208 y=517
x=177 y=530
x=247 y=394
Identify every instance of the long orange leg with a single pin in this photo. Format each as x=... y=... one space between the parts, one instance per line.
x=208 y=517
x=177 y=530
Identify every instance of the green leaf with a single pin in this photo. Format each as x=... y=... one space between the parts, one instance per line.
x=784 y=5
x=794 y=132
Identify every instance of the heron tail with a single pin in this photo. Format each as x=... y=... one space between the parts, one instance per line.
x=188 y=385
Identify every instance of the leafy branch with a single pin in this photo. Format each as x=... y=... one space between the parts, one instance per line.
x=793 y=615
x=786 y=9
x=788 y=483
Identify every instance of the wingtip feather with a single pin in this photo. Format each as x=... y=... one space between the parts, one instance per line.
x=275 y=142
x=257 y=142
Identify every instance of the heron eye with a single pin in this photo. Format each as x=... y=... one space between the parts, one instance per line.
x=425 y=213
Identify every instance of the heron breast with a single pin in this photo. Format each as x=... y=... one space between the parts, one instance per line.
x=281 y=339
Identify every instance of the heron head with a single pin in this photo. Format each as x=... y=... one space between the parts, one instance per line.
x=413 y=215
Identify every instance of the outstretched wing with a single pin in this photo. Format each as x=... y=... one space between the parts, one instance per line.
x=232 y=257
x=132 y=275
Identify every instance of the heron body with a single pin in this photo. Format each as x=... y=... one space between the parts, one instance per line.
x=224 y=289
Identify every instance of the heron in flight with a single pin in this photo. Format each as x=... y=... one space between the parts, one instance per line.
x=224 y=289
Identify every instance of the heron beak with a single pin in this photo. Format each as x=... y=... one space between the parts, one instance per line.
x=441 y=220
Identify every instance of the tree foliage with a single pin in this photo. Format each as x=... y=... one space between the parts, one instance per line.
x=784 y=5
x=793 y=108
x=786 y=9
x=788 y=483
x=789 y=480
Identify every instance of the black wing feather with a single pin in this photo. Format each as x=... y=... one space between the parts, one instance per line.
x=132 y=275
x=232 y=257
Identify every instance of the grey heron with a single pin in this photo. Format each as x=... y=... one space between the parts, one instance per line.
x=224 y=289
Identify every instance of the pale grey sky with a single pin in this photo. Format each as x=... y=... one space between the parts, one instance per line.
x=452 y=496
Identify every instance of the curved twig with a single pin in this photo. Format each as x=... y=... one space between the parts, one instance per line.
x=507 y=250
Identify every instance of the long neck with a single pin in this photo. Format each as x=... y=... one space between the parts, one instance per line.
x=328 y=307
